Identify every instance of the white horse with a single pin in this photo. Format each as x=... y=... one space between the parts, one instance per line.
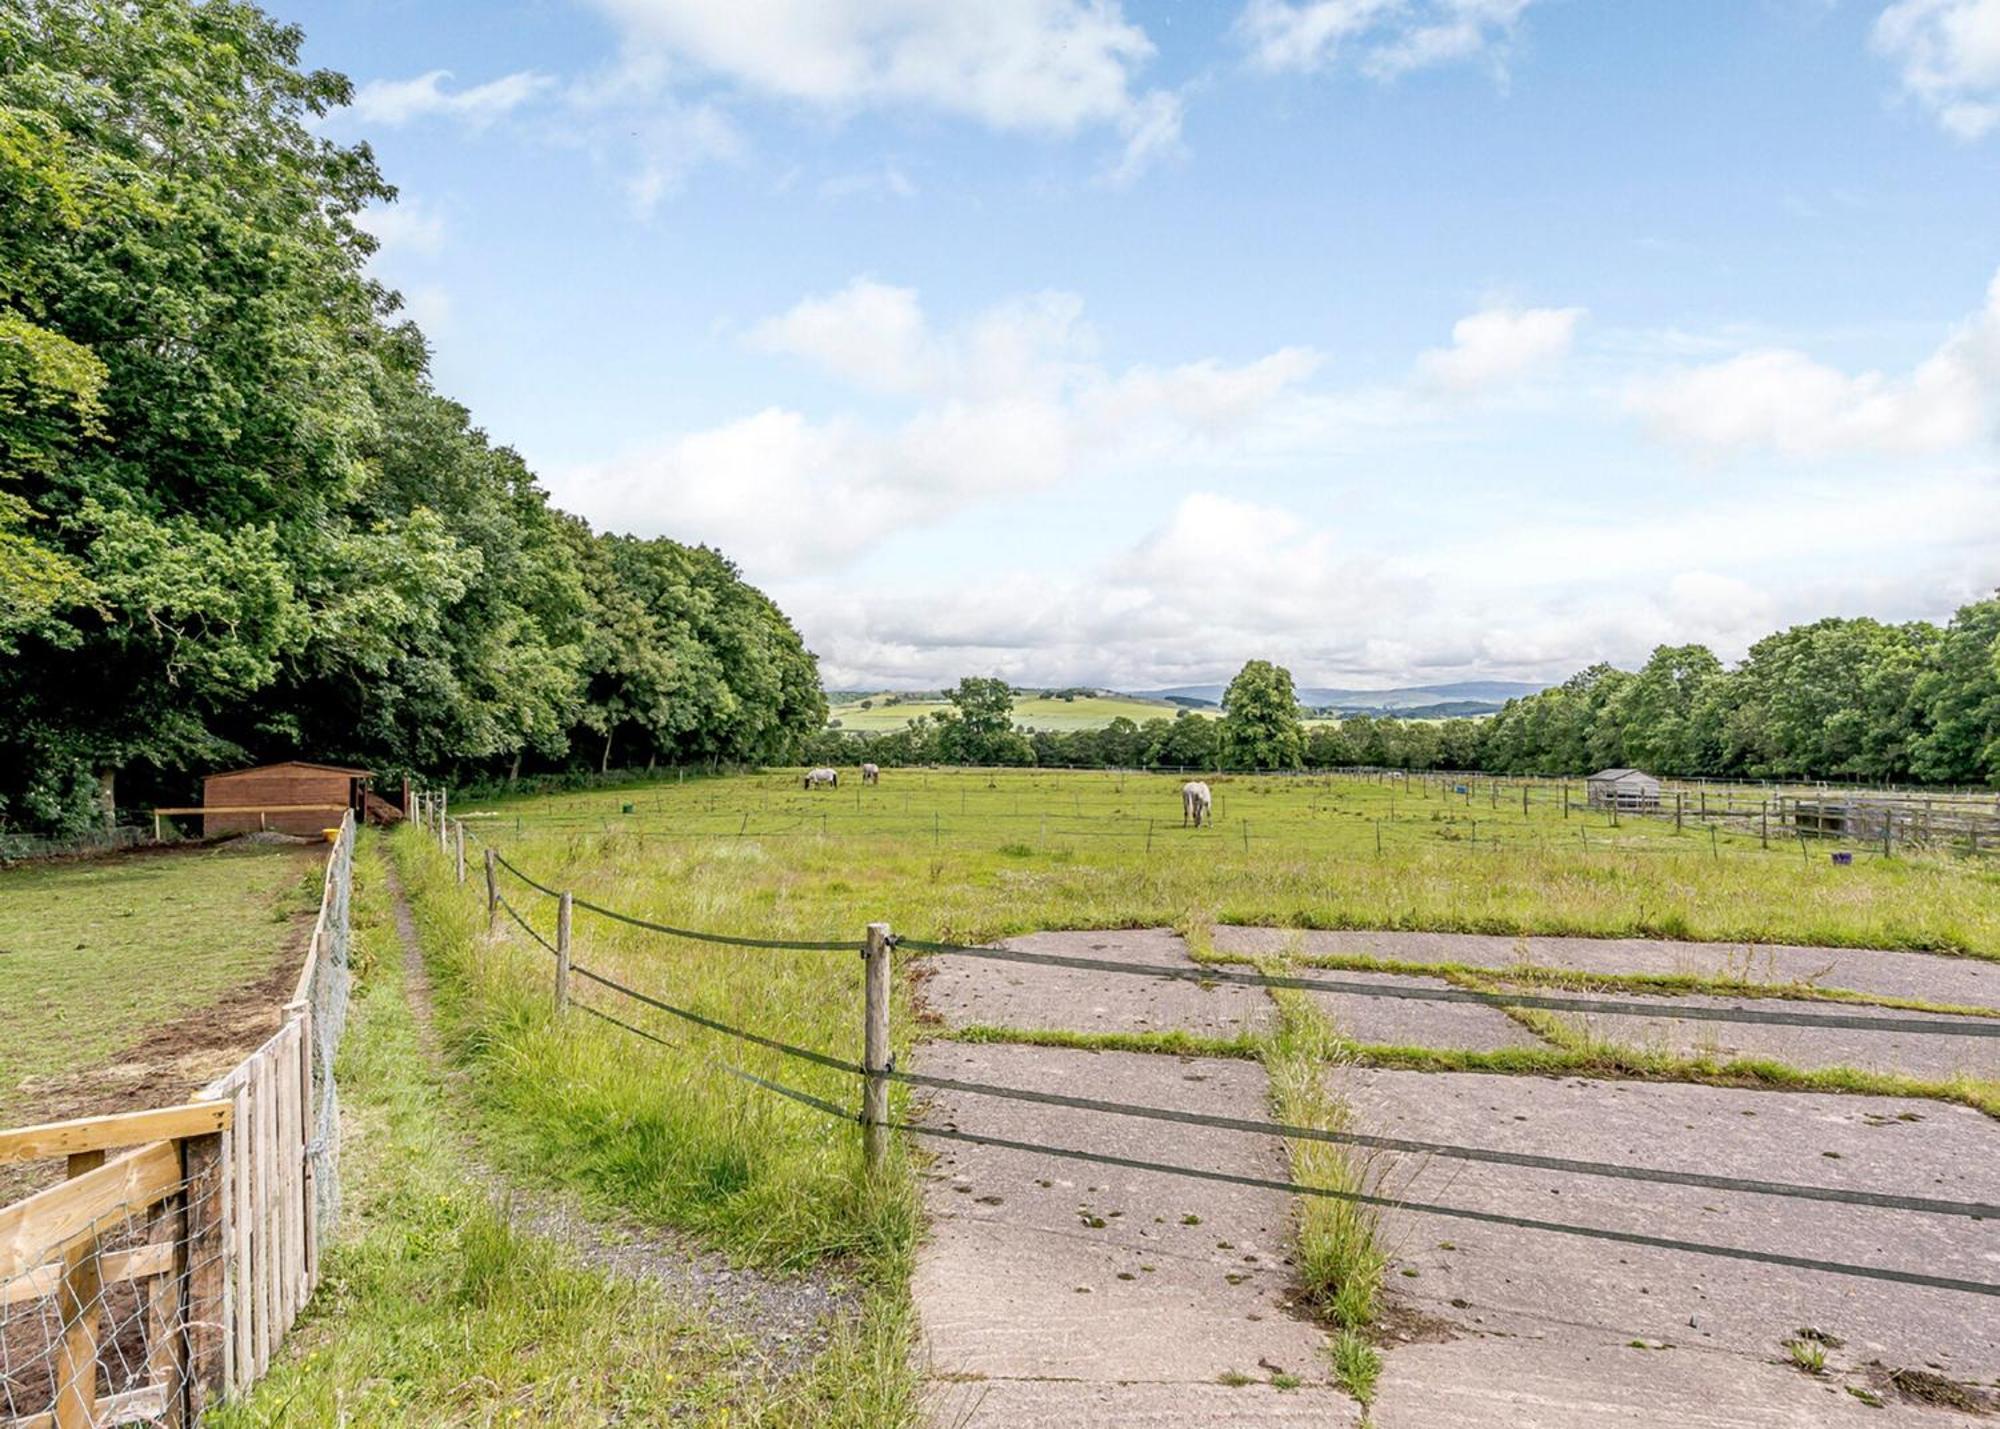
x=871 y=774
x=822 y=776
x=1194 y=803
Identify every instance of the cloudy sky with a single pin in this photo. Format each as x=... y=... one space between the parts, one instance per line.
x=1117 y=342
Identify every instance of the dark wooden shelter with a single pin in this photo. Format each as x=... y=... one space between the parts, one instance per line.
x=293 y=797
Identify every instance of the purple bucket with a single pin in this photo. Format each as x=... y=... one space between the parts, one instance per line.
x=1843 y=858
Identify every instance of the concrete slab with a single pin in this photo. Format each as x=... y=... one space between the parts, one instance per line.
x=1057 y=1404
x=1040 y=1268
x=1420 y=1024
x=1933 y=977
x=1916 y=1054
x=967 y=991
x=1579 y=1293
x=1482 y=1381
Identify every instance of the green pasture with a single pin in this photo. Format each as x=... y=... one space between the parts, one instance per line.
x=96 y=953
x=660 y=1127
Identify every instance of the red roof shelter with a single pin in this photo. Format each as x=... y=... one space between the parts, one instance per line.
x=294 y=797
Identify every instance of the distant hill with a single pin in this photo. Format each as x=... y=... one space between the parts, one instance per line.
x=1484 y=695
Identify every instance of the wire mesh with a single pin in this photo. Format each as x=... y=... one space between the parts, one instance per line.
x=94 y=1328
x=327 y=995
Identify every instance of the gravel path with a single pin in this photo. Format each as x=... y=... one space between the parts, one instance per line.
x=785 y=1320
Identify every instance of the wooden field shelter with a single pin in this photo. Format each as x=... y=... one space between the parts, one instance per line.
x=1627 y=789
x=293 y=797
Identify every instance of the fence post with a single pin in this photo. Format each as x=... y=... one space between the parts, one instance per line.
x=443 y=828
x=492 y=892
x=458 y=849
x=875 y=1060
x=199 y=1270
x=79 y=1316
x=562 y=953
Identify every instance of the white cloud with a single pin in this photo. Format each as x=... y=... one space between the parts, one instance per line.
x=673 y=140
x=888 y=180
x=1055 y=67
x=1949 y=51
x=1780 y=399
x=399 y=101
x=1221 y=580
x=1384 y=38
x=1499 y=345
x=408 y=225
x=1010 y=401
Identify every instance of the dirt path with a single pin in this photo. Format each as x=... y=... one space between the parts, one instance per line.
x=1055 y=1291
x=787 y=1320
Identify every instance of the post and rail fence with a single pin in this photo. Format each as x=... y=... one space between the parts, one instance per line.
x=151 y=1286
x=877 y=1072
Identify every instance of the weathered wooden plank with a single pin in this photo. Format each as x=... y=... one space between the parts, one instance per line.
x=263 y=1244
x=102 y=1133
x=242 y=1361
x=34 y=1226
x=146 y=1403
x=309 y=1165
x=115 y=1267
x=201 y=1278
x=259 y=809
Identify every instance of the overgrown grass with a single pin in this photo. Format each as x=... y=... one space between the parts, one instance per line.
x=95 y=953
x=432 y=1309
x=662 y=1133
x=1339 y=1255
x=974 y=854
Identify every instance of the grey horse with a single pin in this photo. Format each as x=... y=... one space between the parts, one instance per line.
x=1194 y=803
x=822 y=776
x=871 y=774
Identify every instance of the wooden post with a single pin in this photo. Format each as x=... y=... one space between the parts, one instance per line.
x=79 y=1315
x=198 y=1267
x=875 y=1047
x=1565 y=798
x=492 y=892
x=1678 y=799
x=458 y=849
x=444 y=831
x=563 y=906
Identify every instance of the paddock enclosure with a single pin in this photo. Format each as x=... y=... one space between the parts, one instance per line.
x=1506 y=1047
x=152 y=1283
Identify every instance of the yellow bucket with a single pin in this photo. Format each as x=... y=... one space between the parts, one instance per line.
x=332 y=835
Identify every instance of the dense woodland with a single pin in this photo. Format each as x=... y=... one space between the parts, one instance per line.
x=1837 y=699
x=236 y=522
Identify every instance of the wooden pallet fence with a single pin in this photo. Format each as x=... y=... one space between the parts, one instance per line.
x=242 y=1182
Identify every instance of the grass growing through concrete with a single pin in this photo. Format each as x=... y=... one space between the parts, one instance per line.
x=432 y=1309
x=1339 y=1253
x=95 y=953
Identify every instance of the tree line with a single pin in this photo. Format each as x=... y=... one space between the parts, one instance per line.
x=236 y=520
x=1835 y=699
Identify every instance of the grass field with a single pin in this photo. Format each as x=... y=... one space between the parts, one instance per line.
x=663 y=1132
x=1034 y=711
x=97 y=953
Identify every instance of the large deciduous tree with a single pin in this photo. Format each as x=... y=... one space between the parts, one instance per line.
x=1260 y=719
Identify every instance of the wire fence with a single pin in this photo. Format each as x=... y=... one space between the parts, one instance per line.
x=93 y=1323
x=145 y=1288
x=880 y=1071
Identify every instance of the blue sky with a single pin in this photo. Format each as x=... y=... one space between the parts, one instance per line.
x=1078 y=340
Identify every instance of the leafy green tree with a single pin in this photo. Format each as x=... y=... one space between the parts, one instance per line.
x=1260 y=722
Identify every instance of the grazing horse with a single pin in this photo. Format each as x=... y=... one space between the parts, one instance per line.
x=830 y=778
x=1194 y=803
x=871 y=774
